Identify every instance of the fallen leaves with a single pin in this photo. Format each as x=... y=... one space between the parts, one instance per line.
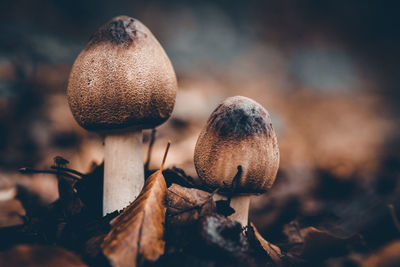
x=182 y=223
x=218 y=235
x=137 y=233
x=313 y=244
x=273 y=251
x=11 y=213
x=39 y=256
x=387 y=256
x=186 y=205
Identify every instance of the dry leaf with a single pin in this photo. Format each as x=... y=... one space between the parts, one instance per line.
x=137 y=233
x=11 y=213
x=139 y=230
x=186 y=205
x=39 y=256
x=273 y=251
x=314 y=244
x=319 y=242
x=387 y=256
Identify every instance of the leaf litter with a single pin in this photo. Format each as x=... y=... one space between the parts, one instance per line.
x=189 y=230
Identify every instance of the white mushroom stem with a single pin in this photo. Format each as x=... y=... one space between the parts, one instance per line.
x=123 y=170
x=241 y=206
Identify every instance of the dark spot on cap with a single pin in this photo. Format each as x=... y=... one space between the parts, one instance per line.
x=119 y=31
x=240 y=119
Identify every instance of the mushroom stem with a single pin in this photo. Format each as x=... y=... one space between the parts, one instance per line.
x=123 y=169
x=241 y=206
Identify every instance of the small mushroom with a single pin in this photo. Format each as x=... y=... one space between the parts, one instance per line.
x=239 y=132
x=122 y=82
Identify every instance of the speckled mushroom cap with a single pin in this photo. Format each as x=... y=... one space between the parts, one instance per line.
x=238 y=132
x=122 y=78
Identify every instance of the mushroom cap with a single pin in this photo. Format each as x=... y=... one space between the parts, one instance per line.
x=122 y=78
x=238 y=132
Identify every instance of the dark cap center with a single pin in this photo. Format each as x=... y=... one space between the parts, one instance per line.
x=119 y=31
x=239 y=119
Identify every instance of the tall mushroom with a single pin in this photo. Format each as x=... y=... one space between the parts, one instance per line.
x=122 y=82
x=239 y=132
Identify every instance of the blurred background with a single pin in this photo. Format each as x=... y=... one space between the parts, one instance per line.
x=325 y=70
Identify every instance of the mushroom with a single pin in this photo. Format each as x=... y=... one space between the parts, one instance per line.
x=238 y=141
x=122 y=82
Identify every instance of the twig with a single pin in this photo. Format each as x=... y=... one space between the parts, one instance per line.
x=394 y=217
x=165 y=155
x=29 y=171
x=152 y=138
x=214 y=192
x=67 y=170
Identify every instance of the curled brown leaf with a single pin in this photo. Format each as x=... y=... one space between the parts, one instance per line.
x=273 y=251
x=186 y=205
x=136 y=235
x=314 y=244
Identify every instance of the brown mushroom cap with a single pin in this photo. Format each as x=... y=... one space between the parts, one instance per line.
x=238 y=132
x=122 y=78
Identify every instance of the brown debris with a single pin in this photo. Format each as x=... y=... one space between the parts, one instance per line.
x=220 y=233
